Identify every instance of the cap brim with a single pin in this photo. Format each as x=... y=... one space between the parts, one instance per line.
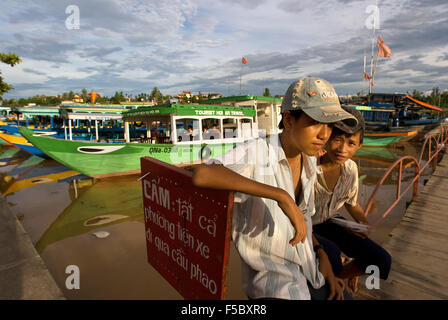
x=331 y=114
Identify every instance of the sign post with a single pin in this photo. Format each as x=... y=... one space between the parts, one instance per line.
x=187 y=230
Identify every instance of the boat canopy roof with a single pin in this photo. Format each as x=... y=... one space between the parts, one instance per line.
x=93 y=116
x=100 y=108
x=192 y=110
x=423 y=104
x=367 y=108
x=241 y=98
x=37 y=111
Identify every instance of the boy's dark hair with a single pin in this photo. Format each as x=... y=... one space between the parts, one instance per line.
x=337 y=132
x=294 y=113
x=342 y=128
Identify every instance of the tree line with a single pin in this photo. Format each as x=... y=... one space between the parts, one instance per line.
x=119 y=96
x=436 y=98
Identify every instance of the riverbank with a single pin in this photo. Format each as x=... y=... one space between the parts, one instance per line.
x=23 y=274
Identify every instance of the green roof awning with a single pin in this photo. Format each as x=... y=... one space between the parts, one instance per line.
x=191 y=110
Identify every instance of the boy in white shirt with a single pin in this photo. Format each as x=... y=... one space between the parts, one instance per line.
x=337 y=186
x=274 y=201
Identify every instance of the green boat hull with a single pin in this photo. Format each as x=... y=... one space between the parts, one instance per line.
x=380 y=141
x=108 y=159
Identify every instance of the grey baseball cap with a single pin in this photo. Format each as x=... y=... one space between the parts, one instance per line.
x=318 y=99
x=352 y=129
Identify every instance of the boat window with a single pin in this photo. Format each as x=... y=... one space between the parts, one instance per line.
x=246 y=128
x=230 y=127
x=368 y=115
x=381 y=116
x=160 y=131
x=211 y=129
x=187 y=130
x=382 y=98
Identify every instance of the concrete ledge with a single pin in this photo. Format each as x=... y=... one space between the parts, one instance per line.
x=23 y=274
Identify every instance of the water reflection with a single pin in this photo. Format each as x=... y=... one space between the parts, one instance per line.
x=95 y=204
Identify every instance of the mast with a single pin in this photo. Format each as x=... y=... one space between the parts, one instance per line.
x=372 y=63
x=371 y=59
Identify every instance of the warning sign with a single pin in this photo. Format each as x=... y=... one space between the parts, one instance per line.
x=187 y=230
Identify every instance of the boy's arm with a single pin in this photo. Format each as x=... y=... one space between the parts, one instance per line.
x=357 y=213
x=221 y=178
x=336 y=284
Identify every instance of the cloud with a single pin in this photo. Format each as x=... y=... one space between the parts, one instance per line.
x=248 y=4
x=34 y=71
x=134 y=45
x=98 y=52
x=443 y=57
x=45 y=47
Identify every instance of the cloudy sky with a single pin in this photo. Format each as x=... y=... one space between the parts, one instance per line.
x=197 y=45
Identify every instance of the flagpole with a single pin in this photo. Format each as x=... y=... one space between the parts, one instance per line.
x=241 y=69
x=373 y=46
x=364 y=71
x=371 y=59
x=228 y=76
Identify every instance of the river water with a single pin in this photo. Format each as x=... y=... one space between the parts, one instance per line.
x=98 y=225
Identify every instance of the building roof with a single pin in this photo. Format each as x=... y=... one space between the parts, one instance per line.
x=241 y=98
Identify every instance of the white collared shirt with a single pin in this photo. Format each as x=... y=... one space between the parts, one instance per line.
x=261 y=231
x=328 y=202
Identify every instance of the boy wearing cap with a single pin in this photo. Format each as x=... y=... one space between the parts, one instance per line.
x=337 y=186
x=274 y=200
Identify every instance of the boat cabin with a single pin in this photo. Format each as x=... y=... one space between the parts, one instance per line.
x=38 y=117
x=268 y=109
x=385 y=100
x=80 y=118
x=192 y=124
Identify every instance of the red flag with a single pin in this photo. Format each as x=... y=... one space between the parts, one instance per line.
x=383 y=49
x=93 y=96
x=366 y=76
x=244 y=60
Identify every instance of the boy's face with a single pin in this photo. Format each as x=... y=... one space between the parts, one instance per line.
x=306 y=134
x=342 y=147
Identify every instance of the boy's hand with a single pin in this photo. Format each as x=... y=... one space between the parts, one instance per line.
x=336 y=285
x=321 y=153
x=297 y=219
x=360 y=234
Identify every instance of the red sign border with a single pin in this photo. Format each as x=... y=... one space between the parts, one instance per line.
x=226 y=256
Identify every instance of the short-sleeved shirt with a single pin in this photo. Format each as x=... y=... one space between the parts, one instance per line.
x=261 y=231
x=328 y=202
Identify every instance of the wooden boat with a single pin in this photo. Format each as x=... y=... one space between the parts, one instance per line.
x=22 y=143
x=378 y=139
x=383 y=129
x=377 y=155
x=167 y=139
x=82 y=114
